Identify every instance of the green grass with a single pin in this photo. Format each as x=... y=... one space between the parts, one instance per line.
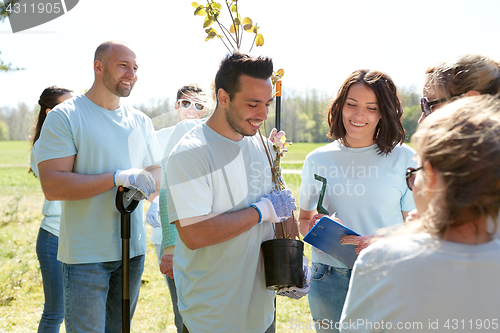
x=298 y=151
x=21 y=294
x=15 y=153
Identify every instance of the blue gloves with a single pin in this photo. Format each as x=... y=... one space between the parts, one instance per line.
x=276 y=207
x=140 y=182
x=295 y=292
x=153 y=214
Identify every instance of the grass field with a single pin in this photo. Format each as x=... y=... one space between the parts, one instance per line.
x=21 y=294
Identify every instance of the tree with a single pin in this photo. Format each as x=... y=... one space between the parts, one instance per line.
x=4 y=131
x=410 y=100
x=4 y=13
x=233 y=35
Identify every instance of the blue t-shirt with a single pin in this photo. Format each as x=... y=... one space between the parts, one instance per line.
x=367 y=190
x=103 y=141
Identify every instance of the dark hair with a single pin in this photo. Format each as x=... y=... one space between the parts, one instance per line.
x=389 y=131
x=237 y=64
x=48 y=100
x=191 y=88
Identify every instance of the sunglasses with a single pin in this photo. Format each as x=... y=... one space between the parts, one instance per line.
x=411 y=174
x=186 y=104
x=427 y=106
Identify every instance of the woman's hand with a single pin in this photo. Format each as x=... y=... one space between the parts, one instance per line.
x=362 y=242
x=315 y=220
x=166 y=265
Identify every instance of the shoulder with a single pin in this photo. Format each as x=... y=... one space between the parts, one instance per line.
x=187 y=136
x=133 y=112
x=323 y=151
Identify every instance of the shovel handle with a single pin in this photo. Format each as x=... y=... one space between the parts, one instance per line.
x=119 y=201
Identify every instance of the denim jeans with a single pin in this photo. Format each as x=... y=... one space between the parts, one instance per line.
x=173 y=292
x=93 y=295
x=51 y=269
x=327 y=295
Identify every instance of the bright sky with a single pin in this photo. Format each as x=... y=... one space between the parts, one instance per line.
x=317 y=42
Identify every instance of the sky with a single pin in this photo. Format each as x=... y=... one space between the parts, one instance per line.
x=318 y=43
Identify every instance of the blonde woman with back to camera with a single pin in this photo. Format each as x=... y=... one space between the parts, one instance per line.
x=441 y=271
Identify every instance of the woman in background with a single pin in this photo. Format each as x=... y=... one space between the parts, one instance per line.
x=48 y=234
x=465 y=75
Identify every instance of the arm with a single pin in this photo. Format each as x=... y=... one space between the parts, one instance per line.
x=201 y=231
x=59 y=182
x=155 y=170
x=307 y=219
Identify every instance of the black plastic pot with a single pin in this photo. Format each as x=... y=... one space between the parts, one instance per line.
x=283 y=263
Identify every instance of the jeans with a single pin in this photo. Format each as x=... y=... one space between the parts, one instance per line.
x=93 y=295
x=51 y=269
x=173 y=292
x=329 y=287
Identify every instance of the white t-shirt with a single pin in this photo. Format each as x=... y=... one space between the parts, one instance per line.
x=418 y=283
x=367 y=190
x=103 y=141
x=220 y=288
x=168 y=138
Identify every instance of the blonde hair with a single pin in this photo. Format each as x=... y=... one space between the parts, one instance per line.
x=462 y=142
x=459 y=75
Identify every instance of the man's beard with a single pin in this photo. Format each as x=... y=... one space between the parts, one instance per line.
x=115 y=87
x=236 y=123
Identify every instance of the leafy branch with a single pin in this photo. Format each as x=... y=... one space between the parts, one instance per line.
x=232 y=38
x=234 y=35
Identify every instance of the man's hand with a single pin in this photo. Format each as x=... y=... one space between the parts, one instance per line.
x=295 y=292
x=153 y=214
x=139 y=181
x=166 y=265
x=276 y=207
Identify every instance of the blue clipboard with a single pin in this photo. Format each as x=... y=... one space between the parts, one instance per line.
x=325 y=236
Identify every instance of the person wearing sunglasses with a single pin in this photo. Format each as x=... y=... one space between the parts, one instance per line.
x=191 y=105
x=364 y=170
x=440 y=272
x=465 y=75
x=191 y=102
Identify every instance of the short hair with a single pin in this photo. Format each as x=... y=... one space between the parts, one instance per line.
x=462 y=142
x=457 y=76
x=193 y=89
x=101 y=53
x=389 y=131
x=237 y=64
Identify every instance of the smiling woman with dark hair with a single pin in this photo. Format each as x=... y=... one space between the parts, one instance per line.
x=365 y=171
